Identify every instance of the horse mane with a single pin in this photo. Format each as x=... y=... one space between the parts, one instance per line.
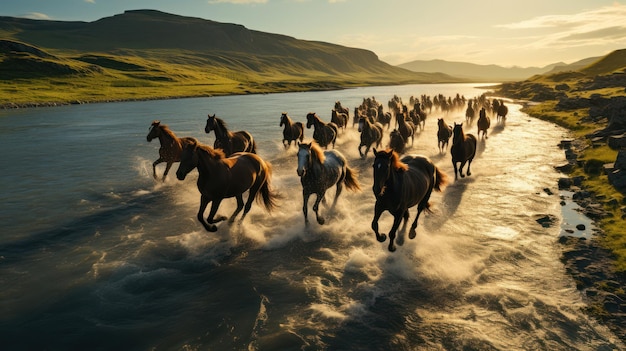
x=165 y=129
x=396 y=163
x=317 y=153
x=221 y=124
x=213 y=153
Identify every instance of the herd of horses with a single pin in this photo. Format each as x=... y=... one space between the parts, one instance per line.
x=231 y=166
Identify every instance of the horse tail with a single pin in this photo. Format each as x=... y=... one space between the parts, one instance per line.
x=441 y=179
x=351 y=180
x=268 y=197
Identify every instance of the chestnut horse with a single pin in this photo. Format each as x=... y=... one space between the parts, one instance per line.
x=170 y=149
x=400 y=184
x=463 y=150
x=221 y=177
x=229 y=142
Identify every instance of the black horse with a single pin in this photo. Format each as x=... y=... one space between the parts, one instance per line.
x=400 y=184
x=463 y=150
x=292 y=131
x=324 y=133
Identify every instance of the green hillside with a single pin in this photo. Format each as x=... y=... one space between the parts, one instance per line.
x=146 y=54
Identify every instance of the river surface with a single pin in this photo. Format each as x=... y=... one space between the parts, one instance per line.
x=96 y=255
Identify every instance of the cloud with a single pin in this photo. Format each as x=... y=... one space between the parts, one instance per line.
x=602 y=17
x=238 y=2
x=36 y=15
x=90 y=1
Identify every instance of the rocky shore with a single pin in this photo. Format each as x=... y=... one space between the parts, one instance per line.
x=590 y=264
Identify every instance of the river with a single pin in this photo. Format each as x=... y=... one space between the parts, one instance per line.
x=94 y=254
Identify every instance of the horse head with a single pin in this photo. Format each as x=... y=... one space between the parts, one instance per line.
x=304 y=158
x=154 y=131
x=210 y=124
x=188 y=157
x=310 y=119
x=283 y=119
x=382 y=170
x=361 y=123
x=458 y=131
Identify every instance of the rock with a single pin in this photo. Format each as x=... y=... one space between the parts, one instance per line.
x=566 y=168
x=620 y=160
x=580 y=227
x=547 y=220
x=617 y=142
x=565 y=183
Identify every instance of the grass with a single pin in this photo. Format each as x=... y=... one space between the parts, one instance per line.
x=592 y=159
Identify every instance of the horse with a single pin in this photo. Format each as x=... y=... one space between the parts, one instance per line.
x=318 y=171
x=406 y=128
x=469 y=113
x=292 y=131
x=400 y=184
x=370 y=133
x=339 y=118
x=503 y=110
x=443 y=134
x=170 y=149
x=418 y=117
x=323 y=133
x=342 y=109
x=229 y=142
x=463 y=150
x=221 y=177
x=396 y=141
x=484 y=122
x=384 y=118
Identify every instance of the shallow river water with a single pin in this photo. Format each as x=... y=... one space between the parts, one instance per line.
x=94 y=254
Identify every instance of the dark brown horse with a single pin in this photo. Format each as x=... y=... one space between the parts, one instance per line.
x=323 y=133
x=396 y=142
x=400 y=184
x=292 y=131
x=463 y=150
x=221 y=177
x=229 y=142
x=319 y=170
x=170 y=149
x=483 y=124
x=443 y=134
x=405 y=127
x=371 y=133
x=503 y=110
x=339 y=118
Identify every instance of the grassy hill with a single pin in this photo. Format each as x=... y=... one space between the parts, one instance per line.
x=145 y=54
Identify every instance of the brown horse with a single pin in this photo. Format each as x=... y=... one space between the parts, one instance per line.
x=222 y=177
x=319 y=170
x=405 y=127
x=483 y=123
x=443 y=134
x=463 y=150
x=400 y=184
x=292 y=131
x=396 y=142
x=339 y=118
x=503 y=110
x=323 y=133
x=229 y=142
x=170 y=149
x=371 y=133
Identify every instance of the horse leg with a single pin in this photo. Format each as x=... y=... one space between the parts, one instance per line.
x=455 y=170
x=204 y=201
x=238 y=209
x=316 y=207
x=251 y=196
x=469 y=164
x=338 y=191
x=214 y=206
x=461 y=168
x=360 y=152
x=154 y=164
x=305 y=206
x=378 y=210
x=397 y=218
x=167 y=169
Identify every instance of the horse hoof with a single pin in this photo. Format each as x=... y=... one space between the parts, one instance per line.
x=412 y=234
x=381 y=238
x=211 y=228
x=392 y=248
x=321 y=221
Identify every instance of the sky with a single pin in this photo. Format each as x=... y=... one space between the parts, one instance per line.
x=528 y=33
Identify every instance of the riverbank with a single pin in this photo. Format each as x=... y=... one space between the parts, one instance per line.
x=587 y=258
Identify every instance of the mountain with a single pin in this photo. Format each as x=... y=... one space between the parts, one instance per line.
x=148 y=48
x=475 y=72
